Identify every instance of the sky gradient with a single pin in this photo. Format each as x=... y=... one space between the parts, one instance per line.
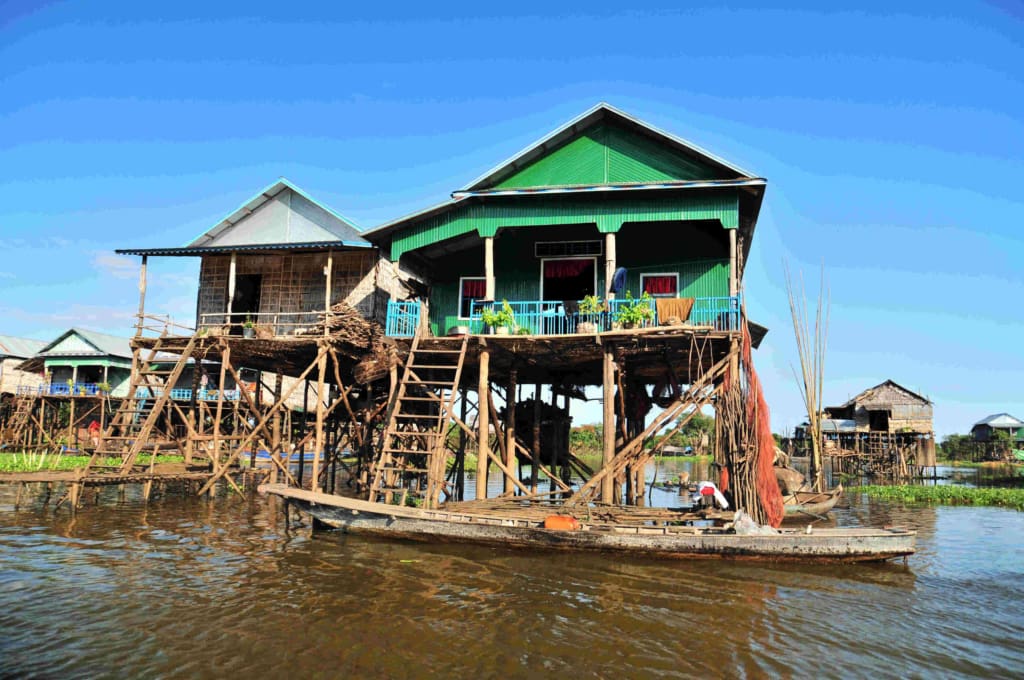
x=892 y=139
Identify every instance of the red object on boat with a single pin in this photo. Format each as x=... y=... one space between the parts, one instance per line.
x=561 y=523
x=707 y=491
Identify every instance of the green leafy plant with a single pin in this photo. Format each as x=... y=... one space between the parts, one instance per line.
x=635 y=311
x=499 y=317
x=249 y=323
x=591 y=305
x=103 y=387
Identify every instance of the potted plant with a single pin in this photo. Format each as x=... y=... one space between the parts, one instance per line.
x=248 y=328
x=633 y=313
x=500 y=321
x=104 y=387
x=591 y=307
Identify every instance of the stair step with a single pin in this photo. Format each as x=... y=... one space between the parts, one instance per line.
x=445 y=367
x=447 y=383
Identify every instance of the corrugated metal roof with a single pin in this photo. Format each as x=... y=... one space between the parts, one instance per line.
x=19 y=348
x=104 y=344
x=1001 y=420
x=622 y=186
x=316 y=227
x=194 y=251
x=596 y=114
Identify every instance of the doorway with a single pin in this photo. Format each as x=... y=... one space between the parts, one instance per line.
x=247 y=300
x=568 y=279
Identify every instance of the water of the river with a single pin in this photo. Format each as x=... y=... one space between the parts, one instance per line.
x=191 y=588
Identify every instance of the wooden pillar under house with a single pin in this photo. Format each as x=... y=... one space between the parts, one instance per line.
x=276 y=426
x=327 y=292
x=537 y=414
x=608 y=424
x=510 y=431
x=232 y=273
x=483 y=425
x=142 y=298
x=215 y=454
x=318 y=452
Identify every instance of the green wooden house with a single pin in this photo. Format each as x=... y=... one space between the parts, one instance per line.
x=81 y=362
x=606 y=205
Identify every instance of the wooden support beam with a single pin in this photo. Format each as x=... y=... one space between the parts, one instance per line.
x=483 y=425
x=232 y=269
x=510 y=427
x=537 y=412
x=327 y=292
x=489 y=284
x=608 y=427
x=266 y=419
x=609 y=264
x=733 y=264
x=320 y=398
x=142 y=298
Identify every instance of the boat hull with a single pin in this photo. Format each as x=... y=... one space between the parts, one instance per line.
x=822 y=545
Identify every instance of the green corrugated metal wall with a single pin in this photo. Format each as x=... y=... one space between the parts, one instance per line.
x=608 y=213
x=607 y=154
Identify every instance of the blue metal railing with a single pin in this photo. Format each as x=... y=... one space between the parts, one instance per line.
x=63 y=390
x=553 y=317
x=183 y=394
x=723 y=313
x=403 y=318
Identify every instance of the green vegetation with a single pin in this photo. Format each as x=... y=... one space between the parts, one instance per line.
x=946 y=495
x=496 y=318
x=634 y=312
x=31 y=462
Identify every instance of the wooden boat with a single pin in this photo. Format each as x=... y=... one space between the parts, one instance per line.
x=811 y=502
x=662 y=537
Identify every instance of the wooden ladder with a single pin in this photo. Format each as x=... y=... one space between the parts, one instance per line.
x=150 y=391
x=413 y=452
x=24 y=404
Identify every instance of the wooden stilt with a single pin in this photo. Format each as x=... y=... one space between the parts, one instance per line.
x=608 y=426
x=537 y=412
x=321 y=371
x=483 y=424
x=510 y=428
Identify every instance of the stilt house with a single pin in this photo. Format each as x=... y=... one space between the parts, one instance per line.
x=13 y=352
x=82 y=362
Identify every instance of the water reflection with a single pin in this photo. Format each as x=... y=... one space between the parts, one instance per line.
x=187 y=587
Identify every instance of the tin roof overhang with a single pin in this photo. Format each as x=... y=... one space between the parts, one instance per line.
x=317 y=246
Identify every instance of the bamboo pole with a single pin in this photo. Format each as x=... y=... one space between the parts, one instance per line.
x=321 y=370
x=534 y=467
x=142 y=297
x=232 y=270
x=327 y=292
x=510 y=427
x=608 y=426
x=609 y=264
x=483 y=426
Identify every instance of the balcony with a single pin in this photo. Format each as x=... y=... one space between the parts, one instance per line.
x=64 y=390
x=548 y=317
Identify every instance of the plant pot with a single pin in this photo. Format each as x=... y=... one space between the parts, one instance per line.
x=586 y=327
x=501 y=330
x=248 y=332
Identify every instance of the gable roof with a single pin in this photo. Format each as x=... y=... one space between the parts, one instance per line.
x=1001 y=420
x=280 y=216
x=19 y=348
x=872 y=396
x=677 y=157
x=96 y=344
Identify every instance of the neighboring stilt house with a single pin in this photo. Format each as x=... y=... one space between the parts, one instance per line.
x=82 y=362
x=13 y=352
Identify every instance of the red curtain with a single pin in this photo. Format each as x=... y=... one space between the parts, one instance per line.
x=660 y=285
x=566 y=269
x=474 y=288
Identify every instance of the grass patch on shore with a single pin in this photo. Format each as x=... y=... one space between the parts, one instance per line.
x=946 y=495
x=32 y=462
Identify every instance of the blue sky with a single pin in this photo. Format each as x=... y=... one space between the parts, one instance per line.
x=892 y=137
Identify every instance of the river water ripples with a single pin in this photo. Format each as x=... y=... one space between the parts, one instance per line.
x=188 y=588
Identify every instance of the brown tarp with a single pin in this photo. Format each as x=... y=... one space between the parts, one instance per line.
x=673 y=307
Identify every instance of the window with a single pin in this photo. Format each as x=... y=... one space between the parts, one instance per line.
x=471 y=289
x=660 y=285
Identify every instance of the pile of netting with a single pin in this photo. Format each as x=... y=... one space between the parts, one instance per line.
x=745 y=448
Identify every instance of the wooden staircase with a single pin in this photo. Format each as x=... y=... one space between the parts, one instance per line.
x=413 y=452
x=130 y=428
x=24 y=404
